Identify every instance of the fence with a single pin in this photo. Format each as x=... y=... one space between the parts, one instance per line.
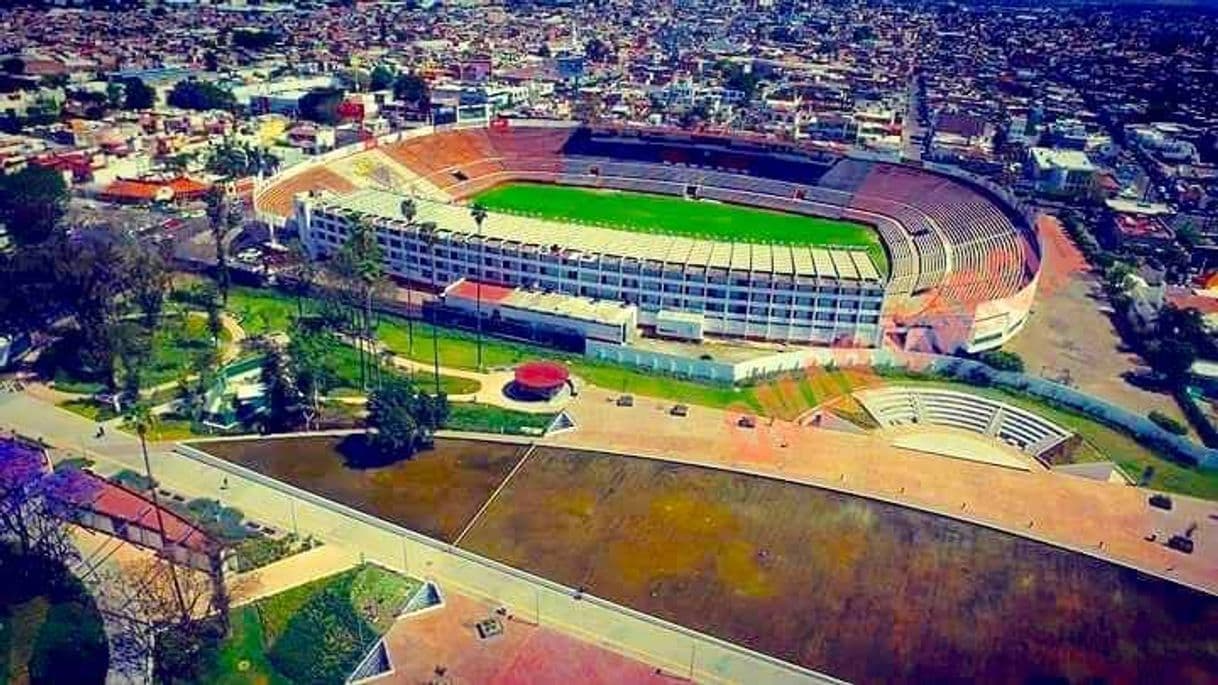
x=527 y=597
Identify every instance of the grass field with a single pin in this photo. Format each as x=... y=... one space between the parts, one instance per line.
x=313 y=633
x=675 y=216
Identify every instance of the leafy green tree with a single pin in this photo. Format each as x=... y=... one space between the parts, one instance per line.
x=213 y=309
x=428 y=230
x=284 y=404
x=360 y=262
x=311 y=355
x=1171 y=357
x=413 y=90
x=395 y=430
x=137 y=94
x=382 y=77
x=321 y=105
x=148 y=279
x=201 y=95
x=116 y=94
x=1003 y=360
x=254 y=39
x=220 y=220
x=33 y=203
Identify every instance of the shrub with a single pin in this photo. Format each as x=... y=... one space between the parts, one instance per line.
x=133 y=480
x=1167 y=423
x=1002 y=360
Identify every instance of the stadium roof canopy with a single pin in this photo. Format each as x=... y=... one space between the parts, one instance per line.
x=577 y=239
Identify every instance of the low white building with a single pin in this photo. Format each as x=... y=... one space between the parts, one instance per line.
x=1061 y=172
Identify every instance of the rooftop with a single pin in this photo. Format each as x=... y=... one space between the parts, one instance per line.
x=1071 y=160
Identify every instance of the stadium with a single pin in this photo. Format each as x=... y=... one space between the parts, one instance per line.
x=748 y=238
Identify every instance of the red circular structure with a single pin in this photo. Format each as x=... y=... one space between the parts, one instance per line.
x=541 y=379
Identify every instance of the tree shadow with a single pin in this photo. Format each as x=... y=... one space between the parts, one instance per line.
x=359 y=454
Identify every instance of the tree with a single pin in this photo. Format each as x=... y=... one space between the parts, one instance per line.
x=140 y=415
x=596 y=50
x=201 y=95
x=236 y=160
x=321 y=105
x=428 y=231
x=396 y=426
x=361 y=264
x=304 y=274
x=36 y=502
x=219 y=216
x=382 y=77
x=478 y=212
x=1171 y=357
x=90 y=275
x=285 y=410
x=254 y=39
x=1003 y=360
x=133 y=347
x=215 y=319
x=149 y=279
x=137 y=94
x=178 y=613
x=412 y=90
x=116 y=95
x=33 y=202
x=311 y=360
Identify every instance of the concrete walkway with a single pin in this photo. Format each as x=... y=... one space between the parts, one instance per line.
x=291 y=572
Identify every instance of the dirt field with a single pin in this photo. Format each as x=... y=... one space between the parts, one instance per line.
x=1069 y=336
x=436 y=493
x=862 y=590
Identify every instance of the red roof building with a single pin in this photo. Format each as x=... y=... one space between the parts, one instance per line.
x=138 y=191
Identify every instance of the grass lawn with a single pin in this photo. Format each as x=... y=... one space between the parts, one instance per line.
x=346 y=360
x=482 y=418
x=675 y=216
x=261 y=311
x=169 y=428
x=175 y=343
x=314 y=633
x=241 y=658
x=94 y=411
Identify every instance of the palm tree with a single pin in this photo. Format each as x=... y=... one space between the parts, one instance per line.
x=409 y=212
x=218 y=211
x=143 y=418
x=428 y=231
x=478 y=212
x=305 y=276
x=361 y=260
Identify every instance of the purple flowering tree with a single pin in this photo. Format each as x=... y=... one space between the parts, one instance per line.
x=36 y=503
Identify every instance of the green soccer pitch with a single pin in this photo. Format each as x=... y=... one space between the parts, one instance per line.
x=676 y=216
